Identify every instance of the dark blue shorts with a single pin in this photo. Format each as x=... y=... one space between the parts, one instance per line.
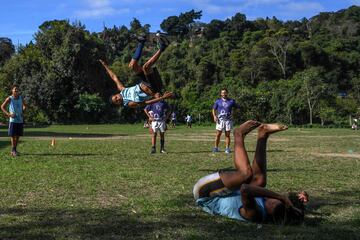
x=16 y=129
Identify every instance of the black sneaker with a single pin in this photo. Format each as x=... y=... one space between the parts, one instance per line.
x=162 y=41
x=153 y=150
x=141 y=38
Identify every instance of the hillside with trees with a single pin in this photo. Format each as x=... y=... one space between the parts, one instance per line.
x=295 y=72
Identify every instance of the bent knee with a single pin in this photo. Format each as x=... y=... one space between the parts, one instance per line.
x=259 y=180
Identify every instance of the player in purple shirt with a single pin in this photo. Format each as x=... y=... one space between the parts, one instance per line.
x=158 y=113
x=222 y=116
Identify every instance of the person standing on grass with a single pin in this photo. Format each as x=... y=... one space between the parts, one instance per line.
x=222 y=115
x=143 y=93
x=173 y=119
x=16 y=106
x=240 y=193
x=158 y=113
x=188 y=120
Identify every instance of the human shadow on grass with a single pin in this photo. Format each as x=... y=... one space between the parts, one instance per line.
x=66 y=154
x=74 y=224
x=73 y=135
x=184 y=221
x=206 y=226
x=210 y=151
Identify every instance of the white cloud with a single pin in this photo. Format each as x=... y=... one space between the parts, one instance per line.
x=303 y=7
x=99 y=8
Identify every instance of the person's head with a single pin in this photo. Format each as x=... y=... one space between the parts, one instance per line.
x=157 y=95
x=294 y=215
x=224 y=93
x=116 y=99
x=15 y=91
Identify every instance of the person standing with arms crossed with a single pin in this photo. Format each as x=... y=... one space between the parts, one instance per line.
x=222 y=115
x=16 y=107
x=158 y=113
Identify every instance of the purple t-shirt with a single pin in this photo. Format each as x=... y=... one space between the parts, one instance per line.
x=224 y=108
x=159 y=110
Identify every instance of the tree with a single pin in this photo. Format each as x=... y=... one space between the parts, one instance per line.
x=279 y=45
x=7 y=49
x=180 y=25
x=313 y=88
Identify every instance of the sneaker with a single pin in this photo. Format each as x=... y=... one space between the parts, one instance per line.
x=153 y=150
x=162 y=41
x=163 y=151
x=13 y=153
x=215 y=149
x=227 y=150
x=141 y=38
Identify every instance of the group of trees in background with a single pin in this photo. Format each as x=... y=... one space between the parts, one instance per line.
x=295 y=72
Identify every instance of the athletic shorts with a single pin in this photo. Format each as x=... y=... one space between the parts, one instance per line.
x=224 y=125
x=152 y=80
x=158 y=126
x=210 y=186
x=16 y=129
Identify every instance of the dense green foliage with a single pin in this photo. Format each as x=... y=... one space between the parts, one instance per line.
x=297 y=72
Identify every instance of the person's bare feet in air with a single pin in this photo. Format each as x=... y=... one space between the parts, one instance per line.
x=266 y=129
x=246 y=127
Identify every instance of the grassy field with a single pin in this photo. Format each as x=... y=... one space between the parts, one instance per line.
x=100 y=182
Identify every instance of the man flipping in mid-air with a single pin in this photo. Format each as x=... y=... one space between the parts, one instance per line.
x=143 y=93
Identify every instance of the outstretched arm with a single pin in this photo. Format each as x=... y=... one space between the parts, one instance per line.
x=151 y=101
x=248 y=194
x=119 y=84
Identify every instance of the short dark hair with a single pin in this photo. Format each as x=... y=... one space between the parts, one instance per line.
x=224 y=89
x=110 y=99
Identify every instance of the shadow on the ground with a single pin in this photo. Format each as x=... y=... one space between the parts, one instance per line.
x=120 y=223
x=67 y=135
x=216 y=153
x=5 y=143
x=65 y=154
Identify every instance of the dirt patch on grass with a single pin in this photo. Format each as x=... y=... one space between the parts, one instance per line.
x=342 y=155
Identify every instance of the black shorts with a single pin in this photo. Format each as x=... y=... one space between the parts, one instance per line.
x=16 y=129
x=152 y=80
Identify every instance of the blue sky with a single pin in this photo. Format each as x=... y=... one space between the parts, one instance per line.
x=20 y=19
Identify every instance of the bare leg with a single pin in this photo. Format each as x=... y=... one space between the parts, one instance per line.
x=243 y=173
x=133 y=65
x=227 y=139
x=13 y=141
x=153 y=139
x=147 y=66
x=217 y=138
x=259 y=162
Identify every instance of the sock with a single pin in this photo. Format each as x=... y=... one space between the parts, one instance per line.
x=13 y=149
x=162 y=142
x=138 y=51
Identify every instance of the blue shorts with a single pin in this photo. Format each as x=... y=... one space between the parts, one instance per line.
x=16 y=129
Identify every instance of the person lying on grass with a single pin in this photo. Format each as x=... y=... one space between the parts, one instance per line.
x=241 y=194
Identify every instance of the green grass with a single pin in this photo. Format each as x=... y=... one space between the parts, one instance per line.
x=100 y=182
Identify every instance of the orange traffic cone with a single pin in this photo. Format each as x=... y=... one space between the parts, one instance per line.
x=53 y=142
